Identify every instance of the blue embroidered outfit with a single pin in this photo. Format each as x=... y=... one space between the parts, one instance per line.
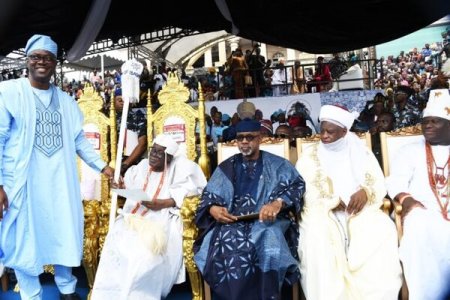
x=38 y=142
x=250 y=259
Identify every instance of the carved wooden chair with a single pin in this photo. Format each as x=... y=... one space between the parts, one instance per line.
x=390 y=143
x=95 y=187
x=177 y=118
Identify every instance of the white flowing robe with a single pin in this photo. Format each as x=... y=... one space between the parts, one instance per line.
x=346 y=257
x=44 y=222
x=425 y=245
x=143 y=260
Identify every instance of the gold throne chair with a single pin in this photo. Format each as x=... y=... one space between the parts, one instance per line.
x=94 y=187
x=178 y=119
x=390 y=144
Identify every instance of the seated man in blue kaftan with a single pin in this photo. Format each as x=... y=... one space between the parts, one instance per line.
x=41 y=132
x=239 y=256
x=143 y=257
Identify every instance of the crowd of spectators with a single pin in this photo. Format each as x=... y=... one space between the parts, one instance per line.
x=251 y=75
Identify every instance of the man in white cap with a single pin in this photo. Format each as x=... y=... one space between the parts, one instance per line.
x=41 y=211
x=419 y=180
x=143 y=256
x=348 y=246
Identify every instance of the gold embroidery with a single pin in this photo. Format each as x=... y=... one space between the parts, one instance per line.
x=320 y=178
x=369 y=188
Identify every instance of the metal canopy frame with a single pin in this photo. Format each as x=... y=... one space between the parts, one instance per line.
x=167 y=33
x=134 y=44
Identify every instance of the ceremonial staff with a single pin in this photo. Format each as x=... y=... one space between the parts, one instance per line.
x=131 y=72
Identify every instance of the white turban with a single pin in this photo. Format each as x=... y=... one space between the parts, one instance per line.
x=337 y=115
x=41 y=42
x=438 y=104
x=166 y=141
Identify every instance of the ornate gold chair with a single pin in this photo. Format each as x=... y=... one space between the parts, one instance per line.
x=178 y=119
x=94 y=186
x=390 y=143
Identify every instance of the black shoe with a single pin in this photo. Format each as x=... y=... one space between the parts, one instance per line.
x=73 y=296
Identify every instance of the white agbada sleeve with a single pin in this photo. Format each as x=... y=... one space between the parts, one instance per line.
x=190 y=181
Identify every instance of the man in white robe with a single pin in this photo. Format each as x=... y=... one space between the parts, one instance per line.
x=41 y=213
x=348 y=246
x=419 y=180
x=143 y=257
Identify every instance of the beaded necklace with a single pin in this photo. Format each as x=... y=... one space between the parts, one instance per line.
x=144 y=188
x=435 y=179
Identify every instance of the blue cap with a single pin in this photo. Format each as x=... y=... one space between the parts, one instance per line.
x=41 y=42
x=225 y=117
x=118 y=92
x=248 y=125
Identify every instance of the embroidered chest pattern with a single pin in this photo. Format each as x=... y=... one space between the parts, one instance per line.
x=48 y=138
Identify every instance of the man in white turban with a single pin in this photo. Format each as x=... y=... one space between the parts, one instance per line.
x=41 y=133
x=143 y=257
x=419 y=180
x=348 y=246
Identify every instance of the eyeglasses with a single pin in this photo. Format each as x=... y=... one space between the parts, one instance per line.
x=44 y=58
x=281 y=136
x=249 y=137
x=159 y=153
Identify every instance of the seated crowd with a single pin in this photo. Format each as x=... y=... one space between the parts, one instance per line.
x=342 y=247
x=264 y=221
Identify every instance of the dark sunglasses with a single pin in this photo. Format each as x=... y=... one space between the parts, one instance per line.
x=44 y=58
x=249 y=137
x=281 y=136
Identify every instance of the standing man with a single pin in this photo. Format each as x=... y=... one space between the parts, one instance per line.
x=256 y=64
x=322 y=76
x=338 y=66
x=248 y=247
x=419 y=180
x=136 y=133
x=406 y=113
x=40 y=201
x=348 y=247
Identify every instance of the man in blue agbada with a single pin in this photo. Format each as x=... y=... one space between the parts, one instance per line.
x=41 y=213
x=244 y=257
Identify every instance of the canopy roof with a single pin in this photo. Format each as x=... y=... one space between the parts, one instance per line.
x=310 y=26
x=94 y=62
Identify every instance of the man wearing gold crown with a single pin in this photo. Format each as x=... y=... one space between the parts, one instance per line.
x=419 y=181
